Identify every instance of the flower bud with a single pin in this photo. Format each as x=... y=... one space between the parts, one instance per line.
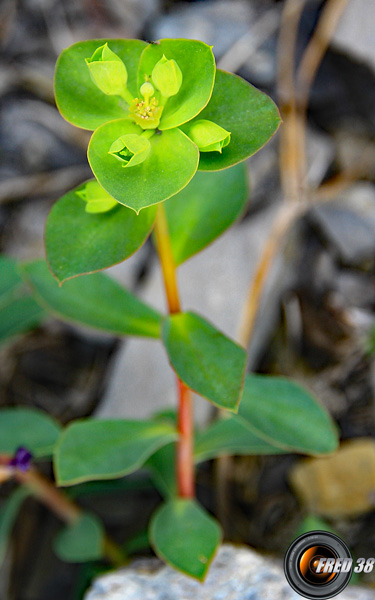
x=209 y=136
x=147 y=90
x=97 y=200
x=130 y=149
x=167 y=77
x=108 y=71
x=22 y=459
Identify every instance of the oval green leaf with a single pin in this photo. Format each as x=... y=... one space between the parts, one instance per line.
x=18 y=311
x=287 y=415
x=78 y=99
x=94 y=300
x=82 y=541
x=33 y=429
x=230 y=436
x=78 y=243
x=204 y=209
x=185 y=536
x=8 y=516
x=18 y=316
x=249 y=115
x=9 y=276
x=104 y=449
x=206 y=360
x=197 y=64
x=163 y=471
x=171 y=164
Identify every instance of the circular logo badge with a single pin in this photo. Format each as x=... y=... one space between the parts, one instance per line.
x=318 y=564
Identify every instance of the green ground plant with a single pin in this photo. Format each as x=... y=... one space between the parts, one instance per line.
x=170 y=134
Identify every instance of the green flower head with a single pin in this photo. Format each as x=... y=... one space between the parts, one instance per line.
x=146 y=111
x=163 y=106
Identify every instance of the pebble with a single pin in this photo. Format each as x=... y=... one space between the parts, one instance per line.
x=237 y=573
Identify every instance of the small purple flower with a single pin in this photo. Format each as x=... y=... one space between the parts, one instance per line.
x=21 y=460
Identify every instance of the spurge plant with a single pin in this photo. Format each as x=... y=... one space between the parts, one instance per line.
x=167 y=125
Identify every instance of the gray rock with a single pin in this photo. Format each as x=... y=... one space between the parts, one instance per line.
x=348 y=225
x=320 y=155
x=237 y=573
x=217 y=23
x=355 y=31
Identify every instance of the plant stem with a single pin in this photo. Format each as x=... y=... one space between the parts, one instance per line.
x=127 y=96
x=148 y=133
x=185 y=444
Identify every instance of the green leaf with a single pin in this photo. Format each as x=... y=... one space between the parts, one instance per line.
x=313 y=523
x=78 y=243
x=19 y=316
x=18 y=311
x=185 y=536
x=197 y=63
x=82 y=541
x=287 y=415
x=162 y=470
x=34 y=429
x=230 y=436
x=94 y=300
x=104 y=449
x=171 y=164
x=8 y=516
x=206 y=360
x=248 y=114
x=9 y=276
x=78 y=98
x=138 y=543
x=204 y=209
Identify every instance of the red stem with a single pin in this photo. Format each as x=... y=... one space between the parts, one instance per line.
x=185 y=443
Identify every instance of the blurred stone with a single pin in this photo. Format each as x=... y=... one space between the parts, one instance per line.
x=356 y=288
x=218 y=23
x=355 y=31
x=237 y=573
x=27 y=225
x=341 y=485
x=347 y=229
x=32 y=135
x=320 y=154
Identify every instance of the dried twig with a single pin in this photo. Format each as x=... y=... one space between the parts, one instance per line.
x=292 y=137
x=291 y=174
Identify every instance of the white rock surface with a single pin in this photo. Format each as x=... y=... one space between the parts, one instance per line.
x=236 y=574
x=355 y=32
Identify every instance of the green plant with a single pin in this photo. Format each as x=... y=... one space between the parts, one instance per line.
x=19 y=312
x=160 y=112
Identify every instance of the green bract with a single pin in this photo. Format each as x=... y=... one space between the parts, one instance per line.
x=158 y=106
x=130 y=149
x=97 y=199
x=167 y=77
x=108 y=71
x=208 y=136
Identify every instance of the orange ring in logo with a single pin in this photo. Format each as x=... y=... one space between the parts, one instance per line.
x=308 y=563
